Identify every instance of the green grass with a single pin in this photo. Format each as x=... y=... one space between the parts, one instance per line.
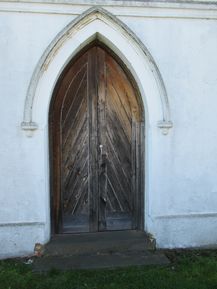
x=188 y=269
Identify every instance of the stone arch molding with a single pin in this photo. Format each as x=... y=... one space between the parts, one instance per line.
x=96 y=23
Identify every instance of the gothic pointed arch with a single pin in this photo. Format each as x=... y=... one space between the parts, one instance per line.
x=96 y=23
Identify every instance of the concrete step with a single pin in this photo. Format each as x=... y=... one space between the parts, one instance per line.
x=96 y=261
x=99 y=250
x=99 y=243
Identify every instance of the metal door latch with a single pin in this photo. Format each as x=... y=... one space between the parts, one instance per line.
x=101 y=147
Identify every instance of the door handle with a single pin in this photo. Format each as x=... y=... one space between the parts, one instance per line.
x=103 y=155
x=101 y=149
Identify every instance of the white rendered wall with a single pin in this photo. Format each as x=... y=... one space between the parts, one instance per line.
x=181 y=187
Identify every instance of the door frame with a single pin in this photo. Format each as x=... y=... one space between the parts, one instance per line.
x=97 y=23
x=55 y=202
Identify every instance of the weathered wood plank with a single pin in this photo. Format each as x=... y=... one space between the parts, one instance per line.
x=93 y=143
x=74 y=155
x=134 y=176
x=122 y=146
x=77 y=91
x=74 y=163
x=67 y=77
x=119 y=148
x=102 y=149
x=125 y=85
x=117 y=107
x=113 y=199
x=116 y=77
x=121 y=166
x=141 y=196
x=69 y=133
x=71 y=93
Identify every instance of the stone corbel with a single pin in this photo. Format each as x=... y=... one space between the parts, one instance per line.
x=29 y=127
x=165 y=126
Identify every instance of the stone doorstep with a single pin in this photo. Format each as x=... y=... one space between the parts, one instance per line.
x=103 y=242
x=98 y=247
x=99 y=250
x=99 y=261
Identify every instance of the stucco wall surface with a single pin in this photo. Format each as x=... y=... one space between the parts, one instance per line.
x=180 y=167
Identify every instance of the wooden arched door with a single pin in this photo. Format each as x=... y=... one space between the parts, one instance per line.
x=96 y=146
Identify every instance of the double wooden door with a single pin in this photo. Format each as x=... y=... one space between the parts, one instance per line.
x=96 y=137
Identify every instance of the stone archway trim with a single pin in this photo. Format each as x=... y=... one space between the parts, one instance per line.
x=91 y=14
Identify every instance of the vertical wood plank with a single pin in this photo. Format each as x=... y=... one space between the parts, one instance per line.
x=102 y=149
x=119 y=142
x=56 y=158
x=142 y=176
x=138 y=176
x=74 y=150
x=133 y=178
x=93 y=157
